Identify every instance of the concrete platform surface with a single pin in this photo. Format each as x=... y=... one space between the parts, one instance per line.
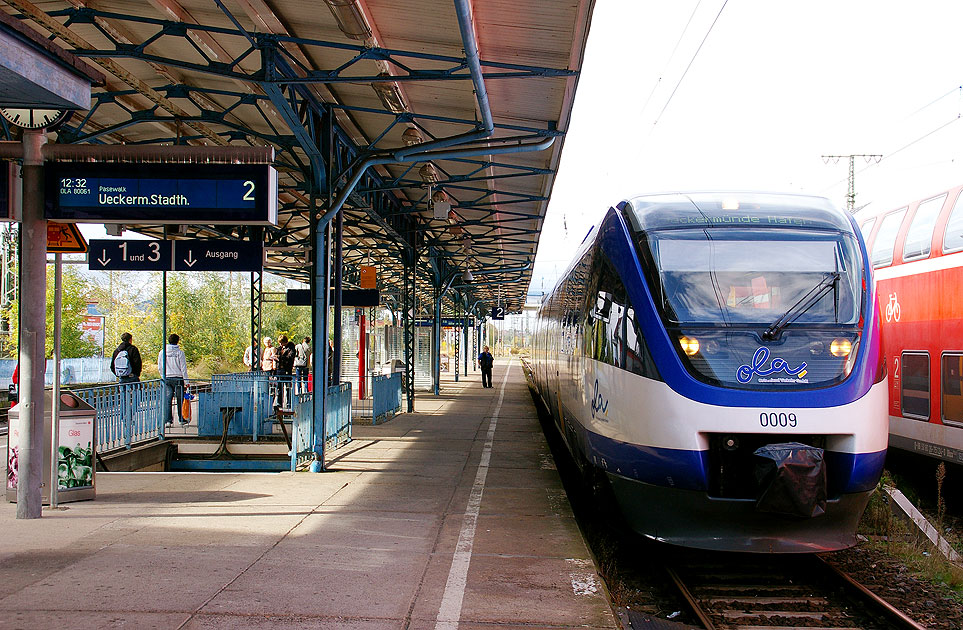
x=450 y=517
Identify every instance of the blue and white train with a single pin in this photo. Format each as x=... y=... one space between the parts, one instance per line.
x=717 y=357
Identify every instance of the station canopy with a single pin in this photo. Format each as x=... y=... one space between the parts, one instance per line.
x=394 y=108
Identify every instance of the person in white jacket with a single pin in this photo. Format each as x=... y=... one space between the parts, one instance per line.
x=175 y=378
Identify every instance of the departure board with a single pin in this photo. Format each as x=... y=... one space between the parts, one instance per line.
x=183 y=194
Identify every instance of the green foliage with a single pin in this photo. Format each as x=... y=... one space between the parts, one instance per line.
x=73 y=343
x=211 y=312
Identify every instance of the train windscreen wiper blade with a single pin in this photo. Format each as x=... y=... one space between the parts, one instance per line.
x=804 y=304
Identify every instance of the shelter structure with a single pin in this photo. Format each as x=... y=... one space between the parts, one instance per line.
x=420 y=138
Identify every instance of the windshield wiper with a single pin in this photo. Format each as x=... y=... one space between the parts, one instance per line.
x=804 y=304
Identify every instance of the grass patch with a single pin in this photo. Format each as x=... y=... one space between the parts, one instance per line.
x=900 y=539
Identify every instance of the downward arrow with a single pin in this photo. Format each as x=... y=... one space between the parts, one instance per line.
x=189 y=261
x=103 y=260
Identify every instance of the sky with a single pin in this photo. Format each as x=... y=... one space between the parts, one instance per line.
x=681 y=95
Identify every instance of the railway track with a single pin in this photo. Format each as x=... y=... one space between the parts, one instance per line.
x=739 y=592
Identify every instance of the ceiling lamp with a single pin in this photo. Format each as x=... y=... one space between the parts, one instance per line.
x=412 y=136
x=390 y=94
x=350 y=18
x=466 y=276
x=429 y=175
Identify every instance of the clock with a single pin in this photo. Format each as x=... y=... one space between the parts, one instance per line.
x=35 y=118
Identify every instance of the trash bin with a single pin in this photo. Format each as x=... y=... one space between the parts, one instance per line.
x=76 y=444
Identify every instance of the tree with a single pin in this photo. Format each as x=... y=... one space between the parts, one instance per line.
x=76 y=291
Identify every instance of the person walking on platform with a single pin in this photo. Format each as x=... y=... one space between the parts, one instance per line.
x=301 y=362
x=485 y=362
x=175 y=378
x=286 y=354
x=126 y=363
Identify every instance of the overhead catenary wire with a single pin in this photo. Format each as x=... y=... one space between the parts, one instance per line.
x=658 y=81
x=691 y=61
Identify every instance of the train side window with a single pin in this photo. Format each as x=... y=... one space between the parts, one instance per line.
x=953 y=235
x=920 y=233
x=885 y=242
x=916 y=385
x=952 y=390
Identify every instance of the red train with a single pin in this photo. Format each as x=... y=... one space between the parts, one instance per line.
x=917 y=253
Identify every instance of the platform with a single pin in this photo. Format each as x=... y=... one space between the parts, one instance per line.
x=411 y=530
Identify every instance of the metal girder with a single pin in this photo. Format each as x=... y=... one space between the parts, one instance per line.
x=451 y=68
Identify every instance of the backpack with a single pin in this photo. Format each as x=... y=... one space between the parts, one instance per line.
x=122 y=364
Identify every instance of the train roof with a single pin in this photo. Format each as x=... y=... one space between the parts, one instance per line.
x=733 y=209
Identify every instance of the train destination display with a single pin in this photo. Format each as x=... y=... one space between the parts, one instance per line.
x=162 y=193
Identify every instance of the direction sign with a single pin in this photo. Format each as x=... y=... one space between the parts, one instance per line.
x=187 y=255
x=446 y=322
x=197 y=255
x=161 y=193
x=129 y=255
x=65 y=238
x=498 y=312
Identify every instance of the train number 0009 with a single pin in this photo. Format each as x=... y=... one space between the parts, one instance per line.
x=777 y=419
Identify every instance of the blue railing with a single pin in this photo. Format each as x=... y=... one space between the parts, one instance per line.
x=304 y=430
x=386 y=392
x=126 y=413
x=251 y=397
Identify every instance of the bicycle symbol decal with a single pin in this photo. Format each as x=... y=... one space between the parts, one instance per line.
x=892 y=309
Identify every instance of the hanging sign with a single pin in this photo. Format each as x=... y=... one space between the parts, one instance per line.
x=178 y=194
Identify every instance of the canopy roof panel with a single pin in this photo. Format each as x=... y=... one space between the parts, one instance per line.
x=288 y=74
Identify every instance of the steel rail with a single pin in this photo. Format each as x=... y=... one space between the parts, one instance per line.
x=891 y=612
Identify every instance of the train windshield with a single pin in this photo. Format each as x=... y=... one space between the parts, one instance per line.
x=769 y=278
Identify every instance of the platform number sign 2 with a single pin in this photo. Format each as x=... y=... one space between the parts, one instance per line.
x=498 y=312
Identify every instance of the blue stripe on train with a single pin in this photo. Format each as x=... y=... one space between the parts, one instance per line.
x=688 y=470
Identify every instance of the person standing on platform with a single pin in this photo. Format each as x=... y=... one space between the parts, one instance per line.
x=249 y=358
x=301 y=362
x=175 y=378
x=126 y=362
x=269 y=359
x=286 y=354
x=485 y=362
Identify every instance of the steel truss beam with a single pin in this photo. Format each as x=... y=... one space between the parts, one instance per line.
x=274 y=77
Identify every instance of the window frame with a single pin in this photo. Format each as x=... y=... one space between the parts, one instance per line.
x=929 y=384
x=957 y=206
x=932 y=228
x=944 y=354
x=892 y=246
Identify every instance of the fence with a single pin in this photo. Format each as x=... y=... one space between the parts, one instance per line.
x=251 y=397
x=86 y=370
x=369 y=401
x=336 y=429
x=126 y=413
x=386 y=397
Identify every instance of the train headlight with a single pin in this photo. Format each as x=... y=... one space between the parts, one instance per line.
x=841 y=347
x=690 y=345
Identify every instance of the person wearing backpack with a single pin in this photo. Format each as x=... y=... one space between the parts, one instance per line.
x=125 y=362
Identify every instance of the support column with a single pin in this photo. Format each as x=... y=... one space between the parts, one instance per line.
x=456 y=351
x=320 y=283
x=408 y=304
x=436 y=344
x=338 y=273
x=33 y=326
x=256 y=304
